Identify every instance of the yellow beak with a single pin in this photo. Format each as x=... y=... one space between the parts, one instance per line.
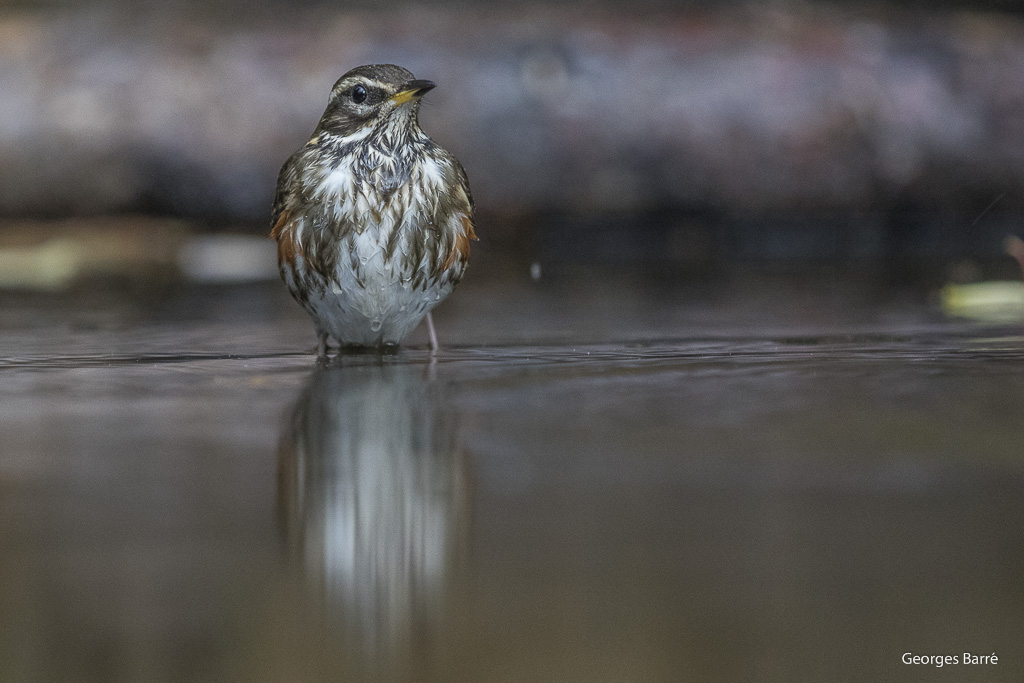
x=413 y=90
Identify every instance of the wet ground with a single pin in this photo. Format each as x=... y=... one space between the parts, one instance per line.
x=595 y=480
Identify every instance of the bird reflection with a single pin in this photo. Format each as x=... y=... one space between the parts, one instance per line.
x=372 y=497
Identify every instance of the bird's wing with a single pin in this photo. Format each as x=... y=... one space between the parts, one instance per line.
x=464 y=203
x=286 y=183
x=464 y=210
x=460 y=172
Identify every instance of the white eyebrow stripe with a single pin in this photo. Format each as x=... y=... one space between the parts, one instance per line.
x=359 y=80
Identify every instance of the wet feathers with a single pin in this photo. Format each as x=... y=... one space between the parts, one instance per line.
x=373 y=219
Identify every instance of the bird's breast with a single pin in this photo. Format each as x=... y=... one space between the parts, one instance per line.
x=382 y=223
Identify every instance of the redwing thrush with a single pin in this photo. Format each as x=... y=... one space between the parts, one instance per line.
x=372 y=218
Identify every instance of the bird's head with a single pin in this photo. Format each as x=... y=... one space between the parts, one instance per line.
x=370 y=96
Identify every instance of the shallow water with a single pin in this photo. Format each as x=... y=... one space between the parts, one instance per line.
x=199 y=500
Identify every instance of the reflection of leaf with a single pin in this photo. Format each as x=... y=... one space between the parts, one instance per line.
x=52 y=255
x=986 y=301
x=1015 y=248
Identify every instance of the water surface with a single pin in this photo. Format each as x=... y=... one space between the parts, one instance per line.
x=198 y=500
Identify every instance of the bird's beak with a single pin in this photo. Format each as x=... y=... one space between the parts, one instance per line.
x=413 y=90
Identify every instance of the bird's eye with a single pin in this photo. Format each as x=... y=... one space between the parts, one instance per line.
x=358 y=94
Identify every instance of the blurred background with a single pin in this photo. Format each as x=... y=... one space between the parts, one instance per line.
x=692 y=136
x=729 y=392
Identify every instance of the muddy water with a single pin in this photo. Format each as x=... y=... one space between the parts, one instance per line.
x=201 y=501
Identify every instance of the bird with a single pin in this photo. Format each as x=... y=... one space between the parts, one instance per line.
x=373 y=219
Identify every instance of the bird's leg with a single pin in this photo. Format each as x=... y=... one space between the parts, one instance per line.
x=432 y=333
x=321 y=345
